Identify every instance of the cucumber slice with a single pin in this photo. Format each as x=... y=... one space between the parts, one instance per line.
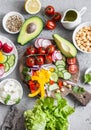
x=54 y=77
x=5 y=59
x=60 y=74
x=66 y=75
x=53 y=87
x=61 y=69
x=60 y=62
x=7 y=67
x=11 y=60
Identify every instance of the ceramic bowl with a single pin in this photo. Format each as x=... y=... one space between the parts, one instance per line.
x=6 y=18
x=13 y=88
x=78 y=46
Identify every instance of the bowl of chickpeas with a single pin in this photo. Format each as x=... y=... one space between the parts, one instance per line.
x=82 y=37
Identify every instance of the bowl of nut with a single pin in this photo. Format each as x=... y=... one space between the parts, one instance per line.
x=82 y=37
x=12 y=22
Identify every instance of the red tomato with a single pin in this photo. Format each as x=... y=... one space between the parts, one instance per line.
x=72 y=69
x=39 y=60
x=31 y=50
x=60 y=83
x=50 y=49
x=56 y=17
x=49 y=10
x=30 y=61
x=48 y=59
x=71 y=61
x=50 y=25
x=41 y=50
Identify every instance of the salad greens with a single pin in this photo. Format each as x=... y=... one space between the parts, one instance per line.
x=78 y=90
x=48 y=114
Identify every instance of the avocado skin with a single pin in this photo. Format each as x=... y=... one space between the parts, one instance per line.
x=59 y=41
x=22 y=39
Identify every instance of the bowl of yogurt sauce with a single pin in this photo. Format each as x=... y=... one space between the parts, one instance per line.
x=11 y=92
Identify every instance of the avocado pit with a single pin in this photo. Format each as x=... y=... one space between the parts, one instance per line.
x=31 y=27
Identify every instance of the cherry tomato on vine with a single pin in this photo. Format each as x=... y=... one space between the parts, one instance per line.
x=41 y=50
x=49 y=10
x=56 y=17
x=50 y=49
x=31 y=50
x=50 y=25
x=39 y=60
x=48 y=59
x=30 y=61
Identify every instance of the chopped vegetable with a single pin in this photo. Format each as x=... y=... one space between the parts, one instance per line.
x=7 y=99
x=48 y=114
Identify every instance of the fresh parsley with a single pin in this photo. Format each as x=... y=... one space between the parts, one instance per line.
x=7 y=99
x=78 y=90
x=87 y=78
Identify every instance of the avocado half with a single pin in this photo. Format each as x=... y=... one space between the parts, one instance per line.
x=30 y=29
x=66 y=47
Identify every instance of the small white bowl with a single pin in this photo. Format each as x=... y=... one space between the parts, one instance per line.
x=88 y=71
x=15 y=89
x=75 y=32
x=5 y=18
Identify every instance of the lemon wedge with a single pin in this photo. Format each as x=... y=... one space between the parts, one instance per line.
x=32 y=6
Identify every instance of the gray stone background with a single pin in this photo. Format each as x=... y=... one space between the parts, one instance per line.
x=11 y=117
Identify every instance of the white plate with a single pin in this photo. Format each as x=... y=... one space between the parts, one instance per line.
x=14 y=51
x=18 y=89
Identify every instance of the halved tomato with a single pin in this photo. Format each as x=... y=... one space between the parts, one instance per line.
x=73 y=68
x=71 y=61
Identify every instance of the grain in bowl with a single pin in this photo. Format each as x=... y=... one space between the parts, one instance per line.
x=82 y=37
x=12 y=22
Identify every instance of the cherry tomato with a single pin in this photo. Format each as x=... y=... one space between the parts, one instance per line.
x=50 y=49
x=49 y=10
x=56 y=17
x=71 y=61
x=39 y=60
x=72 y=69
x=31 y=50
x=50 y=25
x=60 y=83
x=41 y=50
x=48 y=59
x=30 y=61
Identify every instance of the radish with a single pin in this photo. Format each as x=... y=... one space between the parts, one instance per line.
x=1 y=70
x=56 y=55
x=1 y=44
x=7 y=48
x=45 y=43
x=36 y=43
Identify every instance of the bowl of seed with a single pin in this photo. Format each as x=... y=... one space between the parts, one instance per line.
x=82 y=37
x=12 y=22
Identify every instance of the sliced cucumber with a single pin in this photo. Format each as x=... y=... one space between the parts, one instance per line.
x=60 y=62
x=5 y=59
x=66 y=75
x=60 y=74
x=11 y=60
x=54 y=77
x=53 y=87
x=7 y=67
x=61 y=69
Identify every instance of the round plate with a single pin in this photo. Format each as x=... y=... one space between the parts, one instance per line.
x=14 y=51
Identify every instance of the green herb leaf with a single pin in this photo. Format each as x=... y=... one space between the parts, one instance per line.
x=27 y=77
x=7 y=99
x=87 y=78
x=25 y=70
x=78 y=90
x=17 y=101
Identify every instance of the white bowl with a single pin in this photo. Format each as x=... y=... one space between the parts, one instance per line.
x=5 y=18
x=16 y=89
x=75 y=32
x=88 y=71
